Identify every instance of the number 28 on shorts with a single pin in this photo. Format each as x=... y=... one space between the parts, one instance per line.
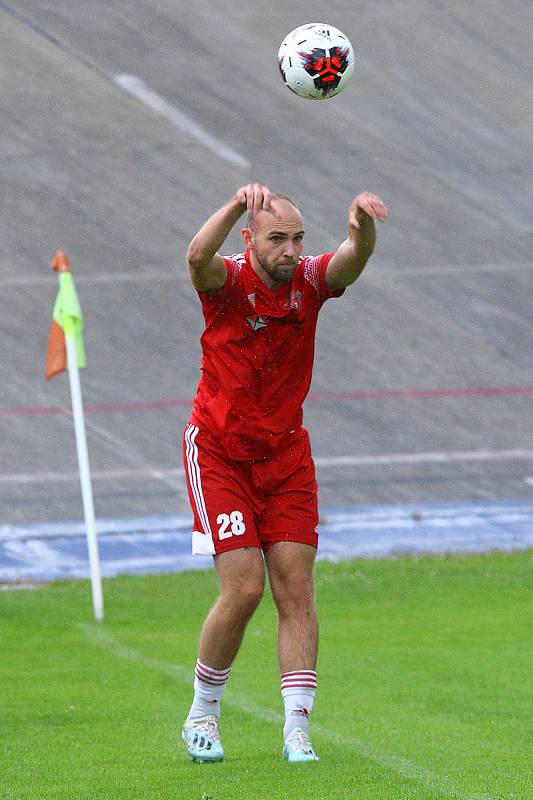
x=231 y=524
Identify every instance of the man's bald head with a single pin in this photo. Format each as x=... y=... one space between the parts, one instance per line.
x=279 y=202
x=274 y=240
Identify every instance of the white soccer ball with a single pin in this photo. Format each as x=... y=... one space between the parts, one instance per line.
x=316 y=61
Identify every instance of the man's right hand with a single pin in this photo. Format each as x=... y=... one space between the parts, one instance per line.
x=254 y=197
x=206 y=266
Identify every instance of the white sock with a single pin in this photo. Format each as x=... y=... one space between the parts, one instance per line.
x=298 y=691
x=209 y=685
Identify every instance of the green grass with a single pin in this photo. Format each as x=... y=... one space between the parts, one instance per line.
x=425 y=688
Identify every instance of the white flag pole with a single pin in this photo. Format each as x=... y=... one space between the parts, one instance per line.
x=85 y=476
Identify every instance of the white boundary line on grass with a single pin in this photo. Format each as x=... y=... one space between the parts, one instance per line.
x=391 y=761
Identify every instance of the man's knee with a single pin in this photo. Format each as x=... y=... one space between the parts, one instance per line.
x=245 y=594
x=242 y=580
x=294 y=594
x=290 y=571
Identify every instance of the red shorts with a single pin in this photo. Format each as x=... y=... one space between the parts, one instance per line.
x=250 y=503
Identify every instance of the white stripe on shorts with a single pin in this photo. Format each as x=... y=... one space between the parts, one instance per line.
x=193 y=469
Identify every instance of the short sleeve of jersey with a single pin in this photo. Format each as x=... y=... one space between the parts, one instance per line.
x=315 y=273
x=211 y=300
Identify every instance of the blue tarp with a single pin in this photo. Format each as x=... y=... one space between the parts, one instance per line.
x=161 y=543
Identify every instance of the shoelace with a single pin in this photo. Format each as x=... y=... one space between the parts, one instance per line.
x=299 y=740
x=209 y=727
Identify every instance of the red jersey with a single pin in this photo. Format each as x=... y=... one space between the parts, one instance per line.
x=257 y=356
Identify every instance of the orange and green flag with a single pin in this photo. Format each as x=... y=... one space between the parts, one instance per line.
x=67 y=320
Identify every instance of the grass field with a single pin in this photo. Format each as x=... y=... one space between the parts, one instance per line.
x=425 y=688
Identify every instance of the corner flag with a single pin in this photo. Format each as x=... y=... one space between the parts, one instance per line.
x=65 y=350
x=66 y=314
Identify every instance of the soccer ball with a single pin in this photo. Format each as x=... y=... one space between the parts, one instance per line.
x=316 y=61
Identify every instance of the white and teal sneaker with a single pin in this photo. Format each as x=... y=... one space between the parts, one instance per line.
x=298 y=747
x=202 y=739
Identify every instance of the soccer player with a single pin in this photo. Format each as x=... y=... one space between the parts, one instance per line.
x=248 y=464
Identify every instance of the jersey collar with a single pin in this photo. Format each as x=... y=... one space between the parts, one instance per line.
x=282 y=302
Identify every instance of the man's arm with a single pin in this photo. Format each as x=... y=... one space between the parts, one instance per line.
x=206 y=266
x=352 y=255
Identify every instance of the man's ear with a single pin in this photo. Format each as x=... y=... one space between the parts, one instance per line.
x=247 y=237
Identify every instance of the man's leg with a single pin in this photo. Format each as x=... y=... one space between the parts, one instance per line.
x=242 y=581
x=290 y=571
x=241 y=577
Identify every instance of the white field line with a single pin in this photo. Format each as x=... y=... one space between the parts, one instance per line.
x=324 y=462
x=397 y=270
x=424 y=458
x=97 y=475
x=402 y=766
x=139 y=89
x=111 y=277
x=177 y=277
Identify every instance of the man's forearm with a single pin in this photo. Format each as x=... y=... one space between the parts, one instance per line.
x=352 y=255
x=362 y=240
x=214 y=233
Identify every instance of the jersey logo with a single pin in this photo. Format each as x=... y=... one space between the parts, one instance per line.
x=251 y=299
x=256 y=324
x=294 y=300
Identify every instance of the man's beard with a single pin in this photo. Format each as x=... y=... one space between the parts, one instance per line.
x=277 y=272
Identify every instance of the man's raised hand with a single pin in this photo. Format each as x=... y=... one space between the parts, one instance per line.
x=254 y=197
x=366 y=205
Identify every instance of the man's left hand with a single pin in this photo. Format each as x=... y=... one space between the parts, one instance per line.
x=366 y=205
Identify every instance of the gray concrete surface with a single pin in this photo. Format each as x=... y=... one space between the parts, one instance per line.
x=437 y=120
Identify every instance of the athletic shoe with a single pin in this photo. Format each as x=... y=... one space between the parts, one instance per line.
x=202 y=739
x=298 y=747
